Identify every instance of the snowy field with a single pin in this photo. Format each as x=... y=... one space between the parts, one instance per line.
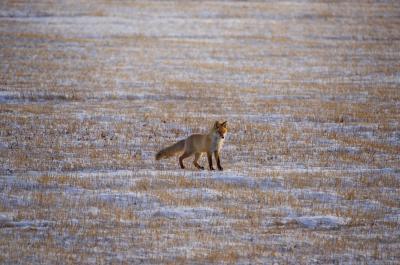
x=91 y=90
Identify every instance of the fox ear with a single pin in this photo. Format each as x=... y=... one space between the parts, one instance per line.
x=224 y=124
x=216 y=124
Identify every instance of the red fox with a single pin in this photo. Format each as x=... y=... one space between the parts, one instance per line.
x=198 y=144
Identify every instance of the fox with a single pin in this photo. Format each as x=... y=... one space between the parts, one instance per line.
x=197 y=144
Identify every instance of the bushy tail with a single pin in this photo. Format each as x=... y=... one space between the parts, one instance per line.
x=171 y=150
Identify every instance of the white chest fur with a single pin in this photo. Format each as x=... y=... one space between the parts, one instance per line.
x=216 y=143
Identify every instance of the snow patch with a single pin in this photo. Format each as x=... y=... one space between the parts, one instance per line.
x=314 y=222
x=14 y=201
x=128 y=199
x=6 y=217
x=26 y=224
x=320 y=196
x=185 y=212
x=94 y=211
x=392 y=218
x=203 y=193
x=233 y=178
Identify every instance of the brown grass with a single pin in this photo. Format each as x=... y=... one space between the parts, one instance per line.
x=310 y=92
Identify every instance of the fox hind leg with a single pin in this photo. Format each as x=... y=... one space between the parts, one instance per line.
x=183 y=156
x=196 y=158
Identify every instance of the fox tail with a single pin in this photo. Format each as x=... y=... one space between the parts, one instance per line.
x=171 y=150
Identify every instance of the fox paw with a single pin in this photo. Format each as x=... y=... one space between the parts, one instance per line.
x=220 y=168
x=211 y=168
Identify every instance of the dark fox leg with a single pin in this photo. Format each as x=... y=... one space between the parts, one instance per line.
x=209 y=156
x=183 y=156
x=196 y=158
x=218 y=160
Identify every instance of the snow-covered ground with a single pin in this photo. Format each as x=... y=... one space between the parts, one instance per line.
x=91 y=90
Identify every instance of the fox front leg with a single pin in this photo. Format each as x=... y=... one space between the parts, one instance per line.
x=216 y=153
x=209 y=156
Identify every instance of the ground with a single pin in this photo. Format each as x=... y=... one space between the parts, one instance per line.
x=91 y=90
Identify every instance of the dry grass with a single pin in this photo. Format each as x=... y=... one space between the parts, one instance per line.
x=89 y=92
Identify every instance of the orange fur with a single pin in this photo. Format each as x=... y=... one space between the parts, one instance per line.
x=197 y=144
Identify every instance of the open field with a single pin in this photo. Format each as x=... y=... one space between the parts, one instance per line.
x=90 y=91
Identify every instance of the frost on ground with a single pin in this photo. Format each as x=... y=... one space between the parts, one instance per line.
x=90 y=91
x=319 y=221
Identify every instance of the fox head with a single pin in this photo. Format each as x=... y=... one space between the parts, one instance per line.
x=220 y=129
